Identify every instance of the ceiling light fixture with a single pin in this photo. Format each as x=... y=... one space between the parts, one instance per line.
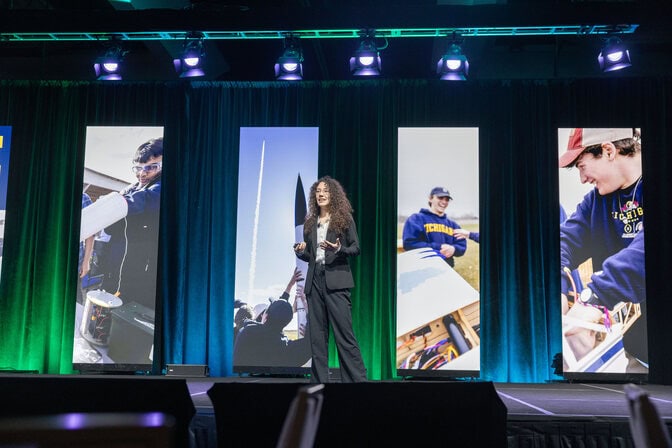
x=366 y=61
x=191 y=62
x=289 y=66
x=614 y=55
x=108 y=66
x=453 y=65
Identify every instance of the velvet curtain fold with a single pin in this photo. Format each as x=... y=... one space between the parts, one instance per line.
x=358 y=122
x=38 y=257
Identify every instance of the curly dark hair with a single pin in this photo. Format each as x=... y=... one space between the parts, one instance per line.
x=340 y=208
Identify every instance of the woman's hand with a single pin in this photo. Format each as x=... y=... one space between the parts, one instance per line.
x=327 y=245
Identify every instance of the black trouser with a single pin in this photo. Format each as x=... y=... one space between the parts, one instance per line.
x=327 y=306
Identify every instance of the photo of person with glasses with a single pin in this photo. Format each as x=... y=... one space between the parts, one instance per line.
x=130 y=262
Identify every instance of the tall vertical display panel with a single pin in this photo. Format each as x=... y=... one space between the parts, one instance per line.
x=277 y=167
x=118 y=249
x=603 y=293
x=5 y=144
x=438 y=261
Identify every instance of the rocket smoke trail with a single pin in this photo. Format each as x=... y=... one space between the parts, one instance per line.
x=300 y=213
x=255 y=229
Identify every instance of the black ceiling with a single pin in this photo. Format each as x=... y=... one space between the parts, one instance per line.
x=509 y=57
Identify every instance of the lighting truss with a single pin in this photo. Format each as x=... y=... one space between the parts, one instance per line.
x=583 y=30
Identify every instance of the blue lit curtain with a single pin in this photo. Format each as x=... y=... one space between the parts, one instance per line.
x=358 y=123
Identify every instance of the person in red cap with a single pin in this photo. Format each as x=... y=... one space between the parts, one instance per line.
x=431 y=227
x=608 y=228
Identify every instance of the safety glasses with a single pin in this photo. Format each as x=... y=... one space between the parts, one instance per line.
x=150 y=168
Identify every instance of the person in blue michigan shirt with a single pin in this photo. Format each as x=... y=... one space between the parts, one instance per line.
x=432 y=228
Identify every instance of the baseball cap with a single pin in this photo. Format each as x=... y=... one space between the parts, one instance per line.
x=440 y=192
x=581 y=138
x=279 y=313
x=260 y=308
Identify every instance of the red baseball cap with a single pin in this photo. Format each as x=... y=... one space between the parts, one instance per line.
x=581 y=138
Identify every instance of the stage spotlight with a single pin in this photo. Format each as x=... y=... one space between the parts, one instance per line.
x=453 y=65
x=366 y=60
x=108 y=67
x=191 y=61
x=289 y=66
x=614 y=55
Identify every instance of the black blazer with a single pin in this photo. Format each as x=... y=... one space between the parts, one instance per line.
x=336 y=265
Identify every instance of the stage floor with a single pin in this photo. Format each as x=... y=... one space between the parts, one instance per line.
x=523 y=401
x=558 y=414
x=576 y=400
x=553 y=415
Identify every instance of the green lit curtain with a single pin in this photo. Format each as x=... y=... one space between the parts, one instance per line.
x=39 y=257
x=39 y=274
x=358 y=121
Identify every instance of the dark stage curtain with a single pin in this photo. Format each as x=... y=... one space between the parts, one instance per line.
x=37 y=290
x=358 y=123
x=39 y=273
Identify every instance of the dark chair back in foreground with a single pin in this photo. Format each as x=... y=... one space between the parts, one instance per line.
x=647 y=428
x=39 y=395
x=300 y=426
